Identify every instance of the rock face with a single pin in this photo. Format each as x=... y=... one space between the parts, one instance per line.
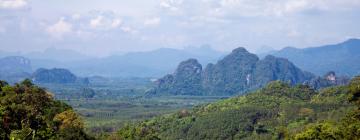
x=272 y=68
x=238 y=72
x=14 y=68
x=230 y=74
x=58 y=76
x=329 y=79
x=185 y=81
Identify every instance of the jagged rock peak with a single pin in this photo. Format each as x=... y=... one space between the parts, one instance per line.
x=240 y=53
x=190 y=61
x=189 y=65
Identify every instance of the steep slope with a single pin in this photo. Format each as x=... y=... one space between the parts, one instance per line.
x=231 y=74
x=185 y=80
x=272 y=68
x=277 y=111
x=343 y=58
x=238 y=72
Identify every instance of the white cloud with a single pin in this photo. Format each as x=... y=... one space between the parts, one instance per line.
x=152 y=21
x=116 y=23
x=97 y=22
x=76 y=16
x=105 y=23
x=128 y=30
x=172 y=5
x=13 y=4
x=59 y=29
x=256 y=8
x=293 y=33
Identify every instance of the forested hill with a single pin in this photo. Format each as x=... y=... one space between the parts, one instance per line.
x=277 y=111
x=238 y=72
x=29 y=112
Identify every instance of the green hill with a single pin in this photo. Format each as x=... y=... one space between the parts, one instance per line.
x=277 y=111
x=29 y=112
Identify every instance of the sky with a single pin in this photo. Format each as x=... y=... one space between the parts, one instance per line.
x=106 y=27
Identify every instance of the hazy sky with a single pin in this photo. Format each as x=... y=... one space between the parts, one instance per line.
x=102 y=27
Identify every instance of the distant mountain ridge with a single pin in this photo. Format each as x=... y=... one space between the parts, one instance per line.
x=238 y=72
x=342 y=58
x=15 y=68
x=153 y=63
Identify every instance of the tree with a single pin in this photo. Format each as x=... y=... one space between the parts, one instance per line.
x=354 y=90
x=69 y=119
x=30 y=112
x=322 y=131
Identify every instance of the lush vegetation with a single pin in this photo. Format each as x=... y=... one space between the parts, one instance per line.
x=108 y=104
x=347 y=128
x=30 y=112
x=277 y=111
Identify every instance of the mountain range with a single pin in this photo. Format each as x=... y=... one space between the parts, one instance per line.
x=134 y=64
x=236 y=73
x=342 y=58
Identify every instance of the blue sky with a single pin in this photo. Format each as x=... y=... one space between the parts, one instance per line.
x=103 y=27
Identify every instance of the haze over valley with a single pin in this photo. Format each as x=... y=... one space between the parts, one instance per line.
x=179 y=69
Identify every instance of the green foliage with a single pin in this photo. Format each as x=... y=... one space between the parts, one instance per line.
x=322 y=131
x=68 y=119
x=29 y=112
x=354 y=90
x=277 y=111
x=347 y=128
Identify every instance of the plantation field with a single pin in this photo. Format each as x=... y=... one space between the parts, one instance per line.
x=109 y=115
x=107 y=106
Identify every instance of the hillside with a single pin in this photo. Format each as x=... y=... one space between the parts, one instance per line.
x=277 y=111
x=29 y=112
x=340 y=58
x=238 y=72
x=56 y=76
